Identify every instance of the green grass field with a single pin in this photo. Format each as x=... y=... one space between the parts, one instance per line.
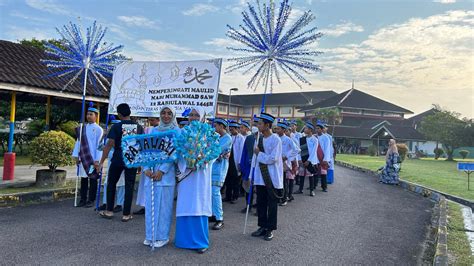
x=20 y=160
x=458 y=244
x=436 y=174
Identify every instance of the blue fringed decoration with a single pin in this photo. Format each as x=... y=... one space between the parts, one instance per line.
x=79 y=53
x=198 y=144
x=149 y=149
x=271 y=45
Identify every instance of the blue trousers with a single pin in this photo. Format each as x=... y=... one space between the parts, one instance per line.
x=163 y=210
x=120 y=195
x=217 y=203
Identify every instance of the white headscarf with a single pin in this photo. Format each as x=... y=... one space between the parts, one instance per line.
x=201 y=112
x=173 y=124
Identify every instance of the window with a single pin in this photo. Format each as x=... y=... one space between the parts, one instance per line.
x=222 y=109
x=351 y=111
x=247 y=110
x=366 y=112
x=388 y=114
x=272 y=110
x=233 y=110
x=285 y=111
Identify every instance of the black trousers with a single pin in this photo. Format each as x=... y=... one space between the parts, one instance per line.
x=88 y=185
x=311 y=182
x=267 y=208
x=324 y=181
x=288 y=187
x=115 y=171
x=232 y=186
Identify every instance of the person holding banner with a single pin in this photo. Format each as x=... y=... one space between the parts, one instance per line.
x=161 y=179
x=154 y=122
x=268 y=177
x=87 y=155
x=117 y=164
x=120 y=183
x=194 y=202
x=219 y=171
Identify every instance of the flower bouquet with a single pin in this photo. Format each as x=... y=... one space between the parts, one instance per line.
x=198 y=144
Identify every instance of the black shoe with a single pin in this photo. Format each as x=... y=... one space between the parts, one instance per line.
x=232 y=202
x=118 y=208
x=325 y=190
x=202 y=250
x=269 y=235
x=212 y=219
x=103 y=207
x=298 y=192
x=255 y=214
x=312 y=193
x=89 y=204
x=226 y=200
x=140 y=212
x=81 y=203
x=218 y=225
x=260 y=232
x=291 y=198
x=284 y=203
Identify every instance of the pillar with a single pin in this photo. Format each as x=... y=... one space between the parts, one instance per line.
x=48 y=112
x=9 y=158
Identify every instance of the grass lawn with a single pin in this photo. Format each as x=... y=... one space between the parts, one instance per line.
x=458 y=244
x=20 y=160
x=3 y=191
x=436 y=174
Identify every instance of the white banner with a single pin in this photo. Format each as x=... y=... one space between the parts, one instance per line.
x=147 y=86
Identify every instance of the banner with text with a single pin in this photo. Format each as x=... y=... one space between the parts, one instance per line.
x=147 y=86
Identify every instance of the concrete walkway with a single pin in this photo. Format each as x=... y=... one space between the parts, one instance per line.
x=358 y=222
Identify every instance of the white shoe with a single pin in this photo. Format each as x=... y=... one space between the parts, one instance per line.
x=161 y=243
x=147 y=242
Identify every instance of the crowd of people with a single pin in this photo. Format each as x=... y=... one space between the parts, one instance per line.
x=266 y=159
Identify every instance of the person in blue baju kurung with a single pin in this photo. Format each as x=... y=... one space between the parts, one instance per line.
x=160 y=180
x=194 y=204
x=219 y=171
x=389 y=174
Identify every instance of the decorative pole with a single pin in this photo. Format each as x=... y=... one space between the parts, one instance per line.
x=271 y=47
x=82 y=54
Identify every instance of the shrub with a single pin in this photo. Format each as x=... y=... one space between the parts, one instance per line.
x=372 y=150
x=464 y=153
x=438 y=152
x=36 y=127
x=402 y=151
x=52 y=148
x=69 y=128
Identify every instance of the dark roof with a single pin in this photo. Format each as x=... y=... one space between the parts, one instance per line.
x=357 y=99
x=401 y=132
x=289 y=98
x=351 y=132
x=21 y=65
x=416 y=119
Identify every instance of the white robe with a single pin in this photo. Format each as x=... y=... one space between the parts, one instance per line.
x=195 y=192
x=326 y=144
x=312 y=144
x=289 y=150
x=331 y=163
x=237 y=147
x=94 y=136
x=272 y=157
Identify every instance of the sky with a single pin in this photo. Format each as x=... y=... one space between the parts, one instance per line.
x=413 y=53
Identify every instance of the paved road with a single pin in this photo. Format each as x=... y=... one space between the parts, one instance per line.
x=358 y=222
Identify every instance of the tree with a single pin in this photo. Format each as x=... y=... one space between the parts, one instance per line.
x=449 y=129
x=332 y=116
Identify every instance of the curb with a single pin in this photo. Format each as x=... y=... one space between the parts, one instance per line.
x=413 y=187
x=15 y=199
x=439 y=223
